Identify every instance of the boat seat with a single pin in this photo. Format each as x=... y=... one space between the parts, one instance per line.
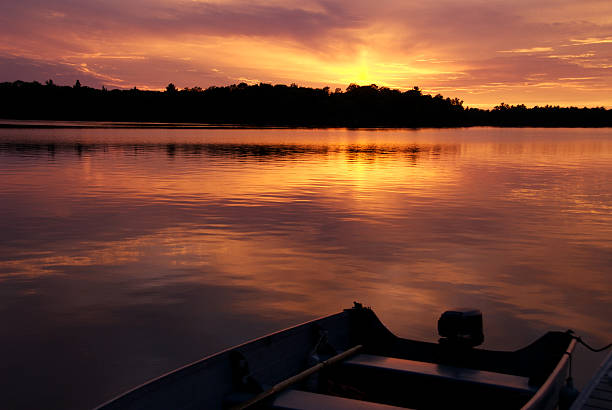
x=413 y=368
x=297 y=399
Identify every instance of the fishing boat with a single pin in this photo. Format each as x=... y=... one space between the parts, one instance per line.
x=350 y=360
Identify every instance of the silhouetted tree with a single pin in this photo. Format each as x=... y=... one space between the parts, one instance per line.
x=170 y=88
x=501 y=107
x=278 y=105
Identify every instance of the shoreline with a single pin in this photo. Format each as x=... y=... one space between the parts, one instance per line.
x=87 y=124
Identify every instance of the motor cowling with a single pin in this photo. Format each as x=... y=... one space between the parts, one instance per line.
x=461 y=327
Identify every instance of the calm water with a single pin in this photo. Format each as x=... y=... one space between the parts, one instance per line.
x=125 y=253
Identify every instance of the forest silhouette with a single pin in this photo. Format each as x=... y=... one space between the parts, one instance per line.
x=277 y=105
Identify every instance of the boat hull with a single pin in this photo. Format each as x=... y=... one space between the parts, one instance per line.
x=457 y=376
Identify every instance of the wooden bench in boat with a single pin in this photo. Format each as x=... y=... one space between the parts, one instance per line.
x=413 y=368
x=302 y=400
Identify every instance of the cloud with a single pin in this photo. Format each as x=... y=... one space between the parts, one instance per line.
x=15 y=68
x=180 y=18
x=110 y=71
x=592 y=40
x=436 y=45
x=528 y=50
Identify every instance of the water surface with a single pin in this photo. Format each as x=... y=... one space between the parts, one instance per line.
x=125 y=253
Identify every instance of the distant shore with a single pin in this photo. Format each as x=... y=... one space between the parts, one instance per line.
x=269 y=106
x=77 y=124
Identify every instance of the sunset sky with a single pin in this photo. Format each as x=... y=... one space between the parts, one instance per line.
x=484 y=52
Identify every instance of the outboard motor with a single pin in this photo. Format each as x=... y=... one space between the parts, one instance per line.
x=461 y=328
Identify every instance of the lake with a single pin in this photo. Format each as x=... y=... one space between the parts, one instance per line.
x=127 y=252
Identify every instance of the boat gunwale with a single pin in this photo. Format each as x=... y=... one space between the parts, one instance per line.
x=550 y=380
x=191 y=365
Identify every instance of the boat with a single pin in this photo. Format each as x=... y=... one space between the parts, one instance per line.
x=350 y=360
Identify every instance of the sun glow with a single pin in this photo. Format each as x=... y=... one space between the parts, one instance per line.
x=221 y=42
x=363 y=75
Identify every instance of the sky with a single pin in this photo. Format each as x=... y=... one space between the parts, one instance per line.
x=484 y=52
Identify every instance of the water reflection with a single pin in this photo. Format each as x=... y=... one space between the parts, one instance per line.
x=353 y=151
x=125 y=254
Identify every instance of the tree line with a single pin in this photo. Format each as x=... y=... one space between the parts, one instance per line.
x=278 y=105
